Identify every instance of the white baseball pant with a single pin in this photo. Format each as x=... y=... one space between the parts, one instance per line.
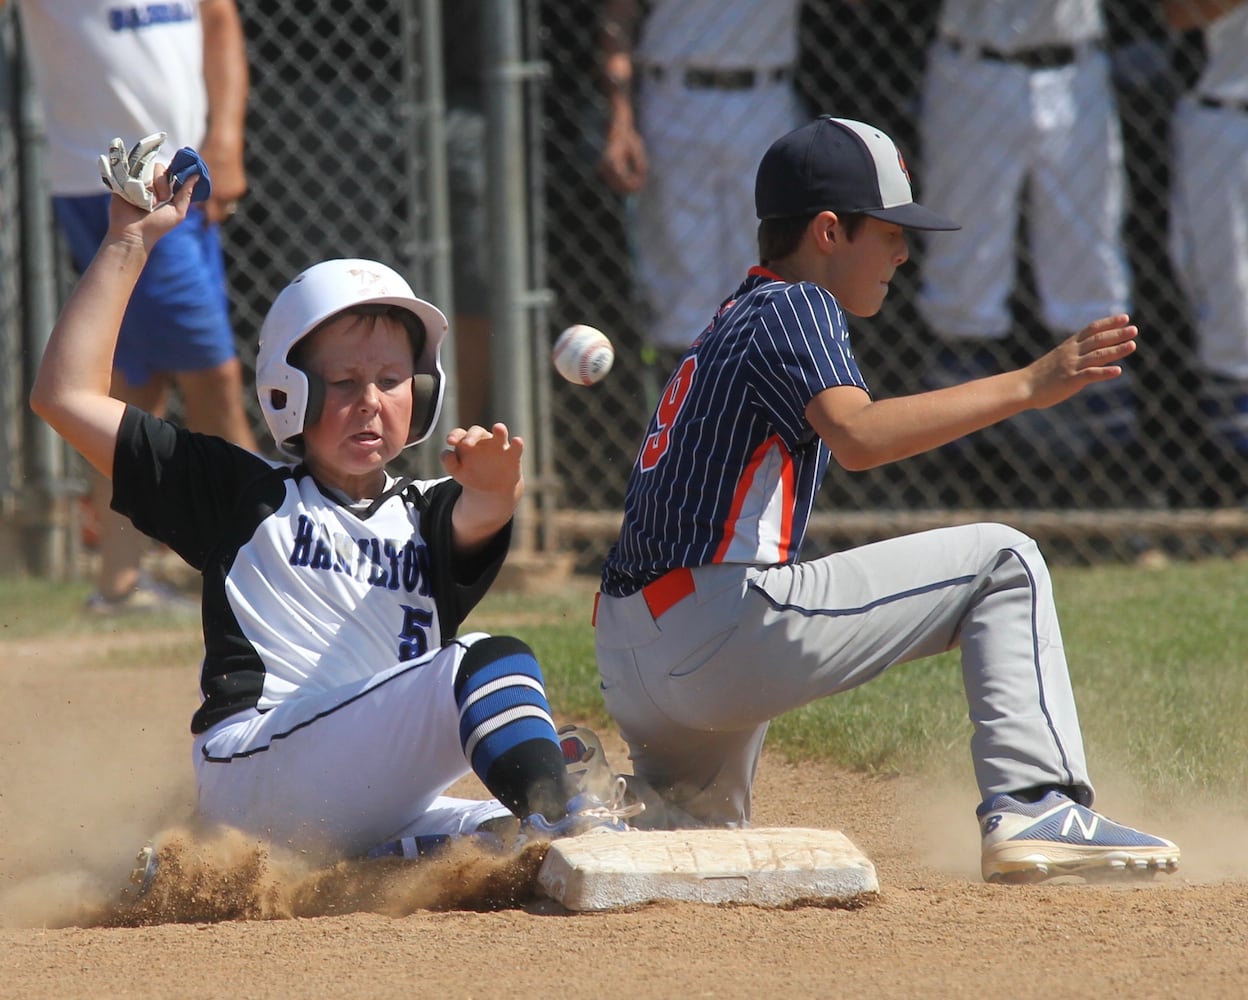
x=341 y=771
x=987 y=129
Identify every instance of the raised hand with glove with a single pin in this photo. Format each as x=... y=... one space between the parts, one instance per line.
x=130 y=174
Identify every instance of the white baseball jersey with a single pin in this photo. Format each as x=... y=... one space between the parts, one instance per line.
x=95 y=63
x=302 y=593
x=329 y=719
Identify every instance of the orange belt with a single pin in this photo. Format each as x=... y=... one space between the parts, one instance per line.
x=669 y=589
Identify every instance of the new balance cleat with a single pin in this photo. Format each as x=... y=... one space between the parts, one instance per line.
x=1027 y=842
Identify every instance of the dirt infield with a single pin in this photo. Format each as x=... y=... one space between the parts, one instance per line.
x=95 y=759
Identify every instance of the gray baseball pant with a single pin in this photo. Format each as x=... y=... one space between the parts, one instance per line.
x=694 y=688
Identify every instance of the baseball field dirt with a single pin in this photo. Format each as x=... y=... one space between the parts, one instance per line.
x=95 y=760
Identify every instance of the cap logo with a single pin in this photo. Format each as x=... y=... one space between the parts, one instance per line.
x=902 y=163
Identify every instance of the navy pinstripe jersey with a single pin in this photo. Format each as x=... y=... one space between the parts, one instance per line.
x=729 y=467
x=301 y=593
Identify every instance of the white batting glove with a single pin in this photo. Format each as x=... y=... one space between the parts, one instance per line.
x=130 y=174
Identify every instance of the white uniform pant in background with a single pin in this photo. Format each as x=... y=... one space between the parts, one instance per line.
x=697 y=233
x=986 y=129
x=694 y=690
x=293 y=775
x=1209 y=231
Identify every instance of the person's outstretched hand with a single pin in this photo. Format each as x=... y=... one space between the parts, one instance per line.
x=1091 y=355
x=487 y=465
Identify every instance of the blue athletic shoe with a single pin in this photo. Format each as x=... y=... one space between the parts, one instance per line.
x=586 y=813
x=1035 y=841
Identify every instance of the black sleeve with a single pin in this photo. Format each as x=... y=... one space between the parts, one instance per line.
x=179 y=487
x=458 y=583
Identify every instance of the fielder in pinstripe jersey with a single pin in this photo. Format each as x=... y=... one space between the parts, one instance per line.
x=339 y=702
x=708 y=625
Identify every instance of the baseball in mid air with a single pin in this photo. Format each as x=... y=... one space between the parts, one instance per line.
x=583 y=355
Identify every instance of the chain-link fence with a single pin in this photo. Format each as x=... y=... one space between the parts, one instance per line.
x=345 y=158
x=340 y=123
x=354 y=106
x=1109 y=474
x=10 y=270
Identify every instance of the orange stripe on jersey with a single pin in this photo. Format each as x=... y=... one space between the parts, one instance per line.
x=746 y=485
x=787 y=506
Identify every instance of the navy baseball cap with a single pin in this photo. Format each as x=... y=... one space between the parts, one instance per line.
x=839 y=165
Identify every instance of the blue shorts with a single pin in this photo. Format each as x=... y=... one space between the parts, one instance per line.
x=178 y=319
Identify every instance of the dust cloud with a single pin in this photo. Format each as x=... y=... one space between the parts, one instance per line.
x=1210 y=828
x=229 y=876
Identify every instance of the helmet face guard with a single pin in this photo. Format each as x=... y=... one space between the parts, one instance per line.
x=290 y=399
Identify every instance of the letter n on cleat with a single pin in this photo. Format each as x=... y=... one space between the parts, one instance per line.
x=1073 y=817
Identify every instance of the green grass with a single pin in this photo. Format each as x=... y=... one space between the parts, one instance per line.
x=1159 y=661
x=1160 y=665
x=37 y=607
x=558 y=629
x=31 y=608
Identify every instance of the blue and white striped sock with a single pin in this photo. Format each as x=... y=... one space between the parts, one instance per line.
x=506 y=728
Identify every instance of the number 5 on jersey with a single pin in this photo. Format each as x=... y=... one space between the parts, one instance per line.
x=674 y=397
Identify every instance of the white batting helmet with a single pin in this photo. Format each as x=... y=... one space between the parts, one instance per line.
x=289 y=399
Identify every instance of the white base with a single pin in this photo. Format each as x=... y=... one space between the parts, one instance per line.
x=761 y=867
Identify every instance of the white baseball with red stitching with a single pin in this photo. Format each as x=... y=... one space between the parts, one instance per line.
x=583 y=355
